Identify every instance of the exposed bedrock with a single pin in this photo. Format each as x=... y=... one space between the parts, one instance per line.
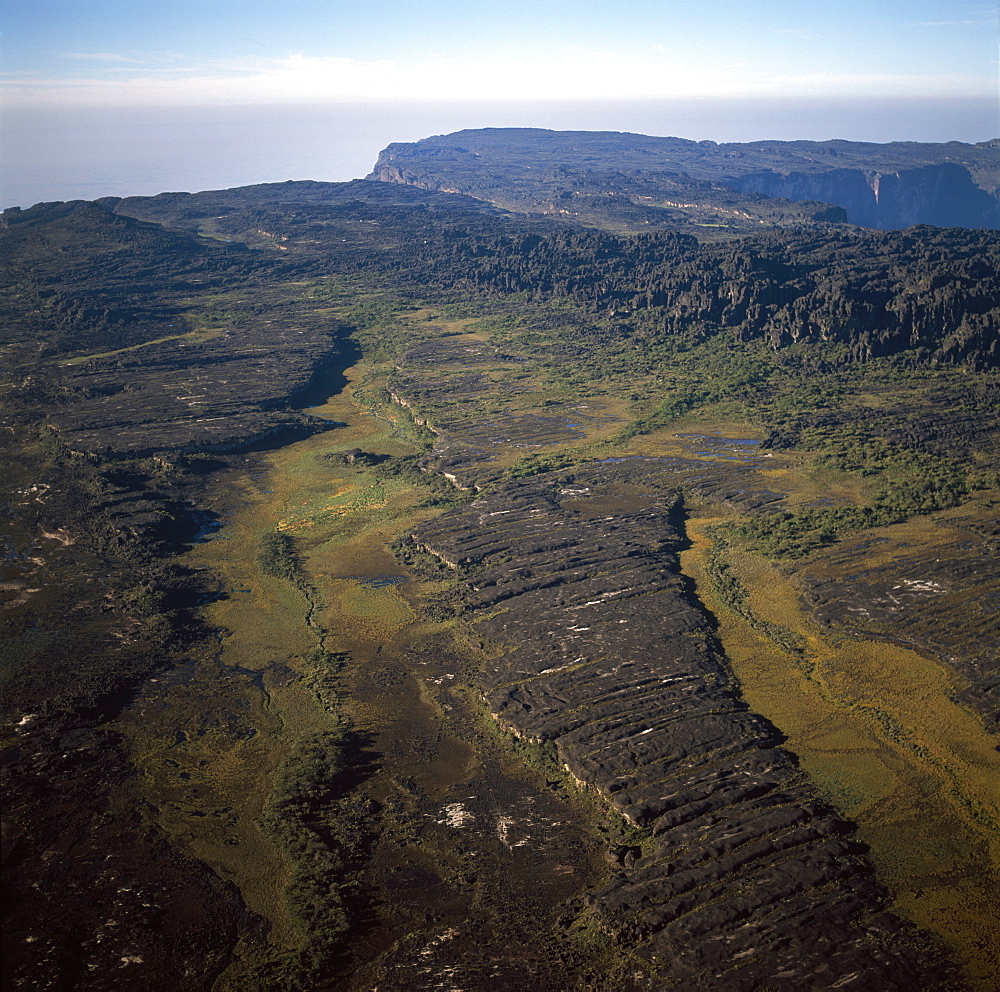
x=943 y=195
x=232 y=393
x=746 y=880
x=872 y=587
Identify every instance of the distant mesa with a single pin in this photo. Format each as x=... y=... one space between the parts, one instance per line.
x=634 y=181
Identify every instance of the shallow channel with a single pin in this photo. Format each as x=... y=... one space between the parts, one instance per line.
x=475 y=853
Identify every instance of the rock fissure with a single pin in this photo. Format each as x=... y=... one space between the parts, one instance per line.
x=652 y=721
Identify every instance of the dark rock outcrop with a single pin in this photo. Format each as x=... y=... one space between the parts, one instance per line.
x=885 y=186
x=746 y=879
x=230 y=393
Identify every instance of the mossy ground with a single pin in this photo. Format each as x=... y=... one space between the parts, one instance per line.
x=875 y=728
x=872 y=723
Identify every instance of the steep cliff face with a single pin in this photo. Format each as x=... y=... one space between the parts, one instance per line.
x=943 y=195
x=886 y=187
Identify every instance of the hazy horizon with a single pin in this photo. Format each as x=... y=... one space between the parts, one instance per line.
x=120 y=98
x=170 y=52
x=62 y=153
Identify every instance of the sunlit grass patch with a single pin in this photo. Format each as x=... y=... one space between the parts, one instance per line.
x=347 y=500
x=198 y=336
x=874 y=726
x=372 y=613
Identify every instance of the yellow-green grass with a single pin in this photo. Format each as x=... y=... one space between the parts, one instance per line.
x=875 y=729
x=199 y=336
x=262 y=625
x=210 y=788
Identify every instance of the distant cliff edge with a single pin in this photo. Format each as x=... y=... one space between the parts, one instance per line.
x=633 y=181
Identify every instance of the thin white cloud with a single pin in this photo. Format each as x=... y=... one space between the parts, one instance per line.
x=103 y=57
x=565 y=75
x=798 y=33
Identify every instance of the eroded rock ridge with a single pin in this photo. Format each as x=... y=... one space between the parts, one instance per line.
x=745 y=879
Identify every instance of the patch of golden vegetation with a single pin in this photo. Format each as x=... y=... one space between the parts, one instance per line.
x=212 y=780
x=198 y=336
x=874 y=727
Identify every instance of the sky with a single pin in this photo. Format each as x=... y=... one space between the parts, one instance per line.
x=198 y=52
x=123 y=97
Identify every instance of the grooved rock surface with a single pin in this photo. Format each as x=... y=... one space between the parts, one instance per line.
x=224 y=394
x=746 y=880
x=886 y=588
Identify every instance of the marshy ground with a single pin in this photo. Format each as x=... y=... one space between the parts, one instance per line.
x=475 y=858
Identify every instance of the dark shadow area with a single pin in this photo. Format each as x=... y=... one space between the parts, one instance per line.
x=328 y=378
x=363 y=762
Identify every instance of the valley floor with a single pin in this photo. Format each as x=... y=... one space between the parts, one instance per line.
x=472 y=851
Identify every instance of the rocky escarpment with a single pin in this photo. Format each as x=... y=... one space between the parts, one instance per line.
x=743 y=879
x=675 y=182
x=943 y=195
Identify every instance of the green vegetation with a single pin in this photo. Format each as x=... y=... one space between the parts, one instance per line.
x=911 y=484
x=146 y=358
x=277 y=557
x=325 y=830
x=406 y=468
x=733 y=594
